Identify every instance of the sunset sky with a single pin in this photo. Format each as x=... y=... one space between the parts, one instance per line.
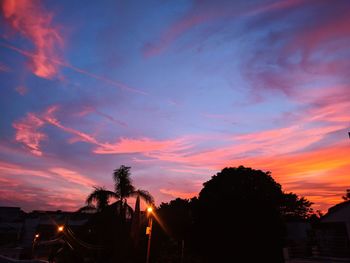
x=177 y=90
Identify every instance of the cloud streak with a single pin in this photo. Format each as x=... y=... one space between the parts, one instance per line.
x=58 y=62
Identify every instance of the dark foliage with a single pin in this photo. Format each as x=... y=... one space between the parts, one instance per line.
x=294 y=207
x=346 y=197
x=237 y=217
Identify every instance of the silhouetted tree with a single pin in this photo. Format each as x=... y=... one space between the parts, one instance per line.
x=101 y=196
x=173 y=241
x=294 y=207
x=346 y=197
x=119 y=239
x=124 y=189
x=237 y=217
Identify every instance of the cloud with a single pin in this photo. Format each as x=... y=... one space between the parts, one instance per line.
x=44 y=187
x=178 y=193
x=27 y=133
x=304 y=172
x=60 y=63
x=89 y=110
x=21 y=90
x=13 y=169
x=206 y=13
x=143 y=145
x=33 y=22
x=298 y=53
x=49 y=117
x=72 y=176
x=4 y=68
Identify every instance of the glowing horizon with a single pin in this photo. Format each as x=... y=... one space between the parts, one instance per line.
x=176 y=90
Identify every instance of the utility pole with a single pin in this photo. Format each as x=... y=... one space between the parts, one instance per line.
x=149 y=232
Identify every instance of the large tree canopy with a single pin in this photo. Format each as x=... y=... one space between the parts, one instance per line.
x=238 y=217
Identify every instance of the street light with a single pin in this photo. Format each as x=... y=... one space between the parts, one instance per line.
x=149 y=231
x=35 y=240
x=60 y=228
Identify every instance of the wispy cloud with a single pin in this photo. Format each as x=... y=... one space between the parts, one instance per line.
x=60 y=63
x=205 y=13
x=34 y=22
x=296 y=55
x=4 y=68
x=27 y=133
x=21 y=90
x=73 y=177
x=51 y=188
x=143 y=145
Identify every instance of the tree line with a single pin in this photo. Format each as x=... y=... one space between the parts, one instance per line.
x=238 y=216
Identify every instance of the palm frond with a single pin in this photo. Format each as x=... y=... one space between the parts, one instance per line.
x=145 y=195
x=122 y=181
x=101 y=196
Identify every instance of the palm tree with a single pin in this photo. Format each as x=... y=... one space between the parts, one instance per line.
x=101 y=196
x=123 y=189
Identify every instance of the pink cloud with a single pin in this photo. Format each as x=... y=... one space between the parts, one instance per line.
x=178 y=193
x=322 y=36
x=22 y=90
x=4 y=68
x=27 y=133
x=302 y=54
x=73 y=177
x=33 y=22
x=48 y=116
x=266 y=143
x=44 y=188
x=13 y=169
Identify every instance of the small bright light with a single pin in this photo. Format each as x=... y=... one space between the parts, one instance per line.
x=60 y=228
x=37 y=235
x=149 y=209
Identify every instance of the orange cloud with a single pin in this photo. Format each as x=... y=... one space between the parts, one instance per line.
x=315 y=174
x=27 y=133
x=34 y=23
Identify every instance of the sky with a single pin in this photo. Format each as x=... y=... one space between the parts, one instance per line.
x=177 y=90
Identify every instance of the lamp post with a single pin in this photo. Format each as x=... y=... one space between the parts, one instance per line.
x=149 y=232
x=35 y=240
